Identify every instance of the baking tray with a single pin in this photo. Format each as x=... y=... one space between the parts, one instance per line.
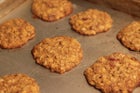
x=20 y=60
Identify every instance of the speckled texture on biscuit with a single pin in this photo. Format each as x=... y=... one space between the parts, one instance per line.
x=51 y=10
x=15 y=33
x=115 y=73
x=18 y=83
x=130 y=36
x=91 y=22
x=59 y=54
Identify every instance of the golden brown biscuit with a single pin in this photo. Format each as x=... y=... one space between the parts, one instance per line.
x=115 y=73
x=130 y=36
x=59 y=54
x=15 y=33
x=91 y=22
x=18 y=83
x=51 y=10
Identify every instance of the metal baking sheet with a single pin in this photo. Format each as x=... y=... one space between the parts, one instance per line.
x=21 y=61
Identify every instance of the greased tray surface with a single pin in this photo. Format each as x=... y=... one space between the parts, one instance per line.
x=21 y=61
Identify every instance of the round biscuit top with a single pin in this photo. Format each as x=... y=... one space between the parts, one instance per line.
x=130 y=36
x=18 y=83
x=15 y=33
x=51 y=10
x=115 y=73
x=59 y=54
x=91 y=22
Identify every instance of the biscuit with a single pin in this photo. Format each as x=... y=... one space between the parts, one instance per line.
x=15 y=33
x=91 y=22
x=18 y=83
x=51 y=10
x=130 y=36
x=59 y=54
x=115 y=73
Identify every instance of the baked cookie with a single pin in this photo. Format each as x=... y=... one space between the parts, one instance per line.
x=115 y=73
x=51 y=10
x=59 y=54
x=91 y=22
x=15 y=33
x=18 y=83
x=130 y=36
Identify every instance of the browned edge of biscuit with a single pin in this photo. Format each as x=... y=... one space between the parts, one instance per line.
x=120 y=41
x=35 y=16
x=79 y=32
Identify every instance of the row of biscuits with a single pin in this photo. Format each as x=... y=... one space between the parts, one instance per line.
x=62 y=53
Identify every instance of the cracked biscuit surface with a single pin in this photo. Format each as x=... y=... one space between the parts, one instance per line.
x=130 y=36
x=91 y=22
x=59 y=54
x=115 y=73
x=18 y=83
x=51 y=10
x=15 y=33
